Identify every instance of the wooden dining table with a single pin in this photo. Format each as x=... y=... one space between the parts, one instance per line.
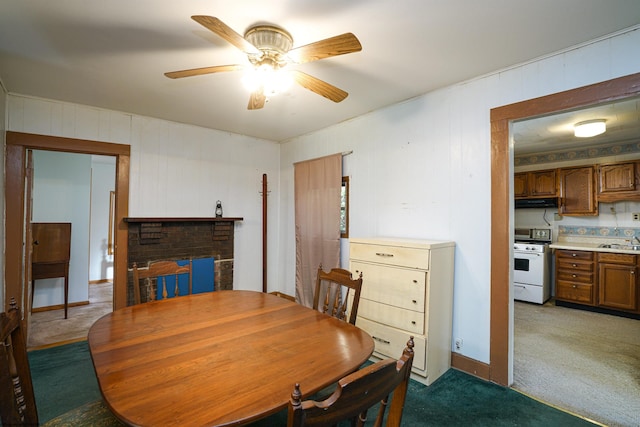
x=222 y=358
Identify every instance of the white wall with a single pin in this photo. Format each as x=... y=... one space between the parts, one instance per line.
x=61 y=193
x=103 y=182
x=177 y=170
x=422 y=168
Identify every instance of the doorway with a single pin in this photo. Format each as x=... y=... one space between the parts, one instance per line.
x=501 y=328
x=74 y=188
x=17 y=145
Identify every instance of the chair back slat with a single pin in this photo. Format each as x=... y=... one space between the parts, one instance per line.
x=356 y=394
x=159 y=271
x=329 y=288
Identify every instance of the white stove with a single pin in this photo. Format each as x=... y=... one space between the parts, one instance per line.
x=531 y=259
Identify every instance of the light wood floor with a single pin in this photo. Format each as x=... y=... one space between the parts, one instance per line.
x=50 y=328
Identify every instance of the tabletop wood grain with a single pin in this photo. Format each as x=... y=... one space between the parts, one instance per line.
x=218 y=359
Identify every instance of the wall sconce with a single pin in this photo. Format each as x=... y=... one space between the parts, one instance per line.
x=589 y=128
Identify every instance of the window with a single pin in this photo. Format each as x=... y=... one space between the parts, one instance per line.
x=344 y=208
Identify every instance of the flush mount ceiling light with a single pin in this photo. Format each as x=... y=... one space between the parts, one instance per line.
x=589 y=128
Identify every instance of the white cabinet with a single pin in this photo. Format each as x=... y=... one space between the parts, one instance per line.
x=407 y=289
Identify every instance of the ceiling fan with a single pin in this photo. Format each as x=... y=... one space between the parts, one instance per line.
x=269 y=50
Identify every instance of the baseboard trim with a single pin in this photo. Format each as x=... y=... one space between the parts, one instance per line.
x=58 y=306
x=470 y=366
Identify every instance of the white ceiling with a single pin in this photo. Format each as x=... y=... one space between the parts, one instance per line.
x=112 y=54
x=554 y=133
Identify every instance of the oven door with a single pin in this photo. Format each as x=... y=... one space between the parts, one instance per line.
x=528 y=267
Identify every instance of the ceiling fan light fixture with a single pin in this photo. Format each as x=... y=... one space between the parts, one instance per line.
x=589 y=128
x=272 y=80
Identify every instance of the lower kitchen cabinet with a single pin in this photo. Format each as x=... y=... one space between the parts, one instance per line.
x=617 y=283
x=605 y=280
x=407 y=290
x=575 y=278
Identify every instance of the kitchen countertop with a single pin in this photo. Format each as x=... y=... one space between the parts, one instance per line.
x=593 y=245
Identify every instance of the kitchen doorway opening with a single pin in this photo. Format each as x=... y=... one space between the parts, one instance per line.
x=502 y=222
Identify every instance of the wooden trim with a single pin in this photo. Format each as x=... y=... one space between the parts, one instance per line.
x=178 y=219
x=501 y=118
x=58 y=306
x=69 y=145
x=17 y=144
x=14 y=211
x=99 y=281
x=470 y=366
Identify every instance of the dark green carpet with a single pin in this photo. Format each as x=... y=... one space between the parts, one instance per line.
x=64 y=379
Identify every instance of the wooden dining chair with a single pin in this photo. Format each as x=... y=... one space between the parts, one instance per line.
x=17 y=400
x=159 y=271
x=17 y=397
x=329 y=289
x=356 y=394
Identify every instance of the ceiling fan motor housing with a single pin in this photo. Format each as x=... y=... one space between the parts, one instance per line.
x=273 y=42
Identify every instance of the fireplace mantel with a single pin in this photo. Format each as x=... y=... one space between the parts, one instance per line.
x=181 y=219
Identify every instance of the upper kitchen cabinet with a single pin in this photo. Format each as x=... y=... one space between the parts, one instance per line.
x=535 y=184
x=619 y=182
x=577 y=191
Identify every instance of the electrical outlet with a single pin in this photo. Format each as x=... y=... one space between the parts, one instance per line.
x=636 y=216
x=458 y=343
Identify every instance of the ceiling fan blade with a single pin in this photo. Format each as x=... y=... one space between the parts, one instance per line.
x=256 y=100
x=319 y=86
x=204 y=70
x=333 y=46
x=226 y=32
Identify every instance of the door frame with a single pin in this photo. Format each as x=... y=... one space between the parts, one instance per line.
x=501 y=331
x=17 y=144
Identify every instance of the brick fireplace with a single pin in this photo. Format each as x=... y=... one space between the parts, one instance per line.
x=156 y=239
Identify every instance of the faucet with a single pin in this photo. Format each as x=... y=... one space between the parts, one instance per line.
x=635 y=240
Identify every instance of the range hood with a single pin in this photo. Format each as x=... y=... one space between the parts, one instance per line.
x=536 y=203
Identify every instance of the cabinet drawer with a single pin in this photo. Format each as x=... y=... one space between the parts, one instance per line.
x=581 y=255
x=390 y=255
x=409 y=320
x=48 y=270
x=574 y=265
x=575 y=275
x=575 y=292
x=613 y=258
x=391 y=285
x=390 y=342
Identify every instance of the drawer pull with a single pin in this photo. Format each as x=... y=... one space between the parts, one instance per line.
x=384 y=254
x=575 y=286
x=574 y=265
x=416 y=301
x=573 y=275
x=415 y=281
x=574 y=255
x=381 y=340
x=413 y=322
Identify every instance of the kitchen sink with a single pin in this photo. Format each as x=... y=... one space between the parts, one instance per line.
x=618 y=246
